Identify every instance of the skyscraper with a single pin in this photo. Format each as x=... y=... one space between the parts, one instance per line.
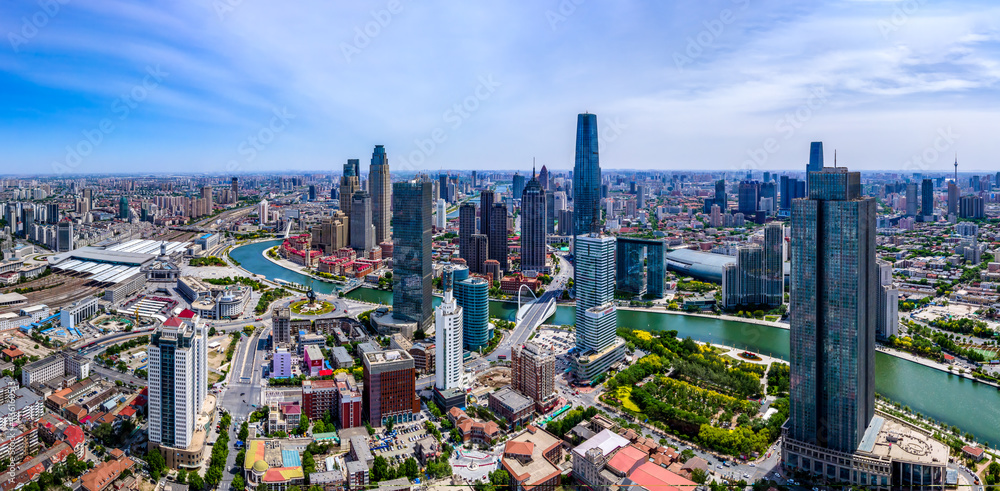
x=498 y=236
x=720 y=195
x=834 y=291
x=479 y=253
x=586 y=177
x=466 y=229
x=234 y=188
x=911 y=199
x=441 y=214
x=774 y=273
x=543 y=178
x=887 y=322
x=486 y=199
x=362 y=231
x=390 y=383
x=472 y=295
x=550 y=211
x=749 y=197
x=534 y=217
x=815 y=158
x=122 y=208
x=64 y=236
x=597 y=346
x=952 y=198
x=927 y=199
x=448 y=338
x=381 y=190
x=517 y=185
x=411 y=255
x=349 y=183
x=178 y=381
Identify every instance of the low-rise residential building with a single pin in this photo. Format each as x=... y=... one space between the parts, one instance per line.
x=471 y=430
x=107 y=474
x=532 y=459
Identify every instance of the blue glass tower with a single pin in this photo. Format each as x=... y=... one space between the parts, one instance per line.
x=815 y=158
x=586 y=177
x=472 y=294
x=411 y=258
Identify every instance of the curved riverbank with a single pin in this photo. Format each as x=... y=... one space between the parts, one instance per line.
x=971 y=405
x=731 y=318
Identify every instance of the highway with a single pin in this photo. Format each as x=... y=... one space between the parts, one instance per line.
x=244 y=390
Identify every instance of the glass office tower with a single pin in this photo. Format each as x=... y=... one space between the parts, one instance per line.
x=411 y=254
x=586 y=177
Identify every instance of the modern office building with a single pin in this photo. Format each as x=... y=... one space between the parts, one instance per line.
x=640 y=266
x=389 y=384
x=517 y=185
x=815 y=158
x=757 y=276
x=350 y=182
x=927 y=200
x=586 y=177
x=466 y=229
x=448 y=338
x=533 y=222
x=499 y=249
x=833 y=431
x=122 y=208
x=381 y=189
x=774 y=272
x=178 y=381
x=362 y=234
x=532 y=373
x=952 y=198
x=912 y=205
x=472 y=295
x=411 y=256
x=597 y=347
x=550 y=211
x=64 y=237
x=833 y=304
x=720 y=195
x=769 y=196
x=748 y=197
x=441 y=214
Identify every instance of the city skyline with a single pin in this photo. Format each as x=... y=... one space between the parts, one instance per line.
x=904 y=91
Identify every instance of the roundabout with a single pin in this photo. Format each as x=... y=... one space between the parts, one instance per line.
x=305 y=307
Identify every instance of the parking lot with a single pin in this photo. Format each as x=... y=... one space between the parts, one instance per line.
x=400 y=447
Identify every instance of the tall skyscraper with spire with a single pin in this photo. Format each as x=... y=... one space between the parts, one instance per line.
x=586 y=177
x=381 y=191
x=533 y=220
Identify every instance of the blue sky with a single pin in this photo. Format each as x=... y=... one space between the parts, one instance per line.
x=222 y=86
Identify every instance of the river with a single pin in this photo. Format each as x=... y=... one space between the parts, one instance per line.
x=971 y=406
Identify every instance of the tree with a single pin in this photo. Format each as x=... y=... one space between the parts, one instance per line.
x=156 y=461
x=238 y=482
x=244 y=432
x=699 y=476
x=368 y=426
x=303 y=424
x=196 y=482
x=381 y=470
x=410 y=468
x=211 y=331
x=182 y=476
x=388 y=426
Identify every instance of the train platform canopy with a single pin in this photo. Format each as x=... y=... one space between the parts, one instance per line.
x=112 y=264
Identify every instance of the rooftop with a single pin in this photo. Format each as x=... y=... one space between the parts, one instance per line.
x=537 y=470
x=656 y=478
x=899 y=441
x=607 y=440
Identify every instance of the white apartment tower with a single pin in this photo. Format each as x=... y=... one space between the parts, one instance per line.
x=178 y=380
x=448 y=338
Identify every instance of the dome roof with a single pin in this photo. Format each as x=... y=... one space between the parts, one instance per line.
x=260 y=466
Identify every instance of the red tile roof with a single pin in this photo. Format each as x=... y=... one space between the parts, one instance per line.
x=173 y=322
x=626 y=458
x=186 y=314
x=656 y=478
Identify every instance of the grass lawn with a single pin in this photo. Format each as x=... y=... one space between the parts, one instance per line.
x=324 y=307
x=772 y=318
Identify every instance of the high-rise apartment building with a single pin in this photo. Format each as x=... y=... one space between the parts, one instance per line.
x=532 y=373
x=362 y=233
x=499 y=250
x=411 y=256
x=122 y=209
x=887 y=322
x=281 y=326
x=586 y=177
x=748 y=197
x=381 y=189
x=441 y=214
x=64 y=236
x=972 y=207
x=834 y=295
x=178 y=381
x=479 y=253
x=952 y=198
x=550 y=211
x=533 y=222
x=389 y=384
x=597 y=346
x=466 y=229
x=234 y=188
